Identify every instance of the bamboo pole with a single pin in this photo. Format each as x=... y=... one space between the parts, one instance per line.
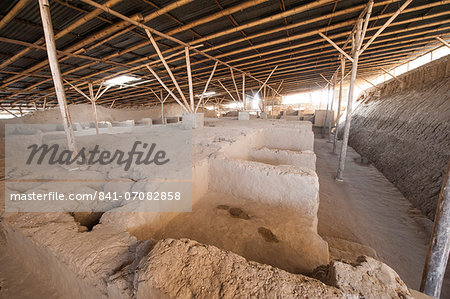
x=76 y=48
x=336 y=46
x=98 y=91
x=229 y=93
x=189 y=73
x=251 y=57
x=367 y=18
x=79 y=91
x=296 y=25
x=356 y=44
x=163 y=35
x=328 y=81
x=391 y=75
x=117 y=26
x=215 y=16
x=369 y=82
x=383 y=3
x=326 y=111
x=243 y=92
x=439 y=248
x=363 y=62
x=162 y=107
x=166 y=88
x=388 y=22
x=166 y=9
x=6 y=110
x=161 y=57
x=413 y=28
x=159 y=97
x=94 y=108
x=71 y=27
x=443 y=41
x=347 y=23
x=258 y=22
x=320 y=86
x=101 y=93
x=332 y=104
x=56 y=73
x=207 y=84
x=113 y=28
x=13 y=12
x=235 y=85
x=267 y=79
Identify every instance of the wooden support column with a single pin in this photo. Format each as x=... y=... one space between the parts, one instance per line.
x=438 y=251
x=189 y=73
x=162 y=107
x=44 y=7
x=264 y=101
x=357 y=39
x=94 y=108
x=92 y=98
x=332 y=104
x=325 y=123
x=243 y=92
x=235 y=85
x=336 y=130
x=20 y=111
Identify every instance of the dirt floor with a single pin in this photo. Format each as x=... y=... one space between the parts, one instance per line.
x=367 y=209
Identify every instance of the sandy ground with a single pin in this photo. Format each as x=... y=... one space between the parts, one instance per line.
x=367 y=209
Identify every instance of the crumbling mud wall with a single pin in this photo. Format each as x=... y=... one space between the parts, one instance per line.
x=83 y=113
x=404 y=130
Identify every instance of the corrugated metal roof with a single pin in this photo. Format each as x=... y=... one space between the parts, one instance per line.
x=301 y=53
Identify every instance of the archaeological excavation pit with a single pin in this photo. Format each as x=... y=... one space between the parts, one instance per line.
x=224 y=149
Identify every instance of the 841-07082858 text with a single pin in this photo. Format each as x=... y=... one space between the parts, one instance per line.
x=140 y=195
x=101 y=196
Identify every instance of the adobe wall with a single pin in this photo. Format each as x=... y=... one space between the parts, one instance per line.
x=404 y=130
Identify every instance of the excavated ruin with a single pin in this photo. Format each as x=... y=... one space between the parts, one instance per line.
x=254 y=216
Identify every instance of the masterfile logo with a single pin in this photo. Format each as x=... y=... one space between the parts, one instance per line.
x=140 y=170
x=53 y=155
